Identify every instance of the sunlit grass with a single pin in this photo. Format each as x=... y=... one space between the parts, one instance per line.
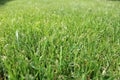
x=60 y=40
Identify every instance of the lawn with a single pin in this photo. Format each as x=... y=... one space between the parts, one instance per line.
x=60 y=40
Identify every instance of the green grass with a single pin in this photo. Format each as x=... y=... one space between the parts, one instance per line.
x=60 y=40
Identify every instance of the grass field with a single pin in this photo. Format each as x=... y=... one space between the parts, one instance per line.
x=60 y=40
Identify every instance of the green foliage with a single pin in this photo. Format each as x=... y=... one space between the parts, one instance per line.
x=60 y=40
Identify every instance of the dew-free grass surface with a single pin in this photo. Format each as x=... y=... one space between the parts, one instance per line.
x=60 y=40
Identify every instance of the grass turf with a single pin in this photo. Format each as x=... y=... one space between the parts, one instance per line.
x=60 y=40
